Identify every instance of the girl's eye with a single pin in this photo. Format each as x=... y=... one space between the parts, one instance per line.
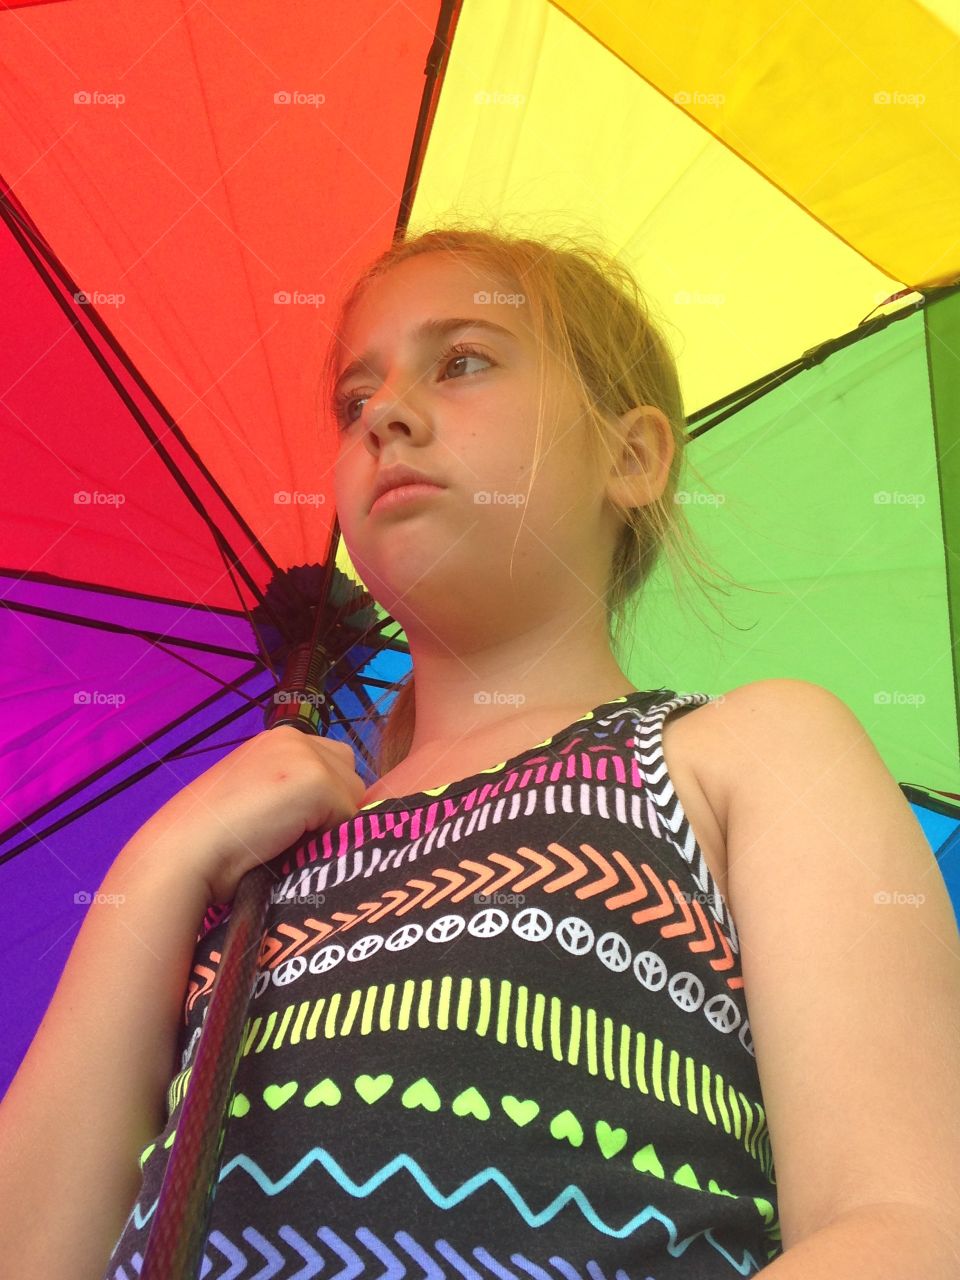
x=452 y=355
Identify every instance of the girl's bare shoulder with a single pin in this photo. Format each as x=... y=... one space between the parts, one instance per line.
x=720 y=738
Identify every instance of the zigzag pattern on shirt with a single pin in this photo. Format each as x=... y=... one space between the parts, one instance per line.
x=394 y=1257
x=571 y=1195
x=631 y=1058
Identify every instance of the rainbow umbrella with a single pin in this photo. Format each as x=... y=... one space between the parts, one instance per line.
x=187 y=192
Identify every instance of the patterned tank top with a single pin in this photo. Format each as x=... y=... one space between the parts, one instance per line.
x=498 y=1029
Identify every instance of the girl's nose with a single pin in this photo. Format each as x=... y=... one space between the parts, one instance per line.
x=389 y=411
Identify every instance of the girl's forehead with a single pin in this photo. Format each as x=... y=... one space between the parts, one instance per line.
x=433 y=281
x=434 y=287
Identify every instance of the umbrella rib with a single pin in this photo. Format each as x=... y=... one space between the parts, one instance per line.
x=49 y=268
x=752 y=391
x=122 y=593
x=151 y=637
x=434 y=72
x=228 y=686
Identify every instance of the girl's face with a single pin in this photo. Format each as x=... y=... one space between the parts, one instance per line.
x=461 y=406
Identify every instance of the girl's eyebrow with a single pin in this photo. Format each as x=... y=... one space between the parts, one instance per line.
x=435 y=328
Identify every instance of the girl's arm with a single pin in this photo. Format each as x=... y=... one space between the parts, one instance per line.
x=89 y=1094
x=850 y=957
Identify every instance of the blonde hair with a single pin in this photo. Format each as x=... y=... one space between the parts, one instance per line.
x=589 y=314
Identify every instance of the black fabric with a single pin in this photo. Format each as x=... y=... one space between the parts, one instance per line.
x=499 y=1029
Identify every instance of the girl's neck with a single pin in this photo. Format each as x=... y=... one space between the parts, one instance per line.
x=500 y=721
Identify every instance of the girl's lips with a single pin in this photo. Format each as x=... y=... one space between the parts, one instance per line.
x=404 y=493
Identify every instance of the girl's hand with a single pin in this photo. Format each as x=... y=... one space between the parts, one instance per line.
x=256 y=802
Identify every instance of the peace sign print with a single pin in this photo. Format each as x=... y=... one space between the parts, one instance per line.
x=532 y=924
x=613 y=951
x=326 y=958
x=404 y=937
x=488 y=923
x=289 y=971
x=686 y=990
x=575 y=935
x=365 y=947
x=446 y=929
x=650 y=970
x=722 y=1013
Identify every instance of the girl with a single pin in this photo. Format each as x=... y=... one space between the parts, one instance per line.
x=501 y=1024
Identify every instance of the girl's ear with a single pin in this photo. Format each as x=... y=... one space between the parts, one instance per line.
x=646 y=452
